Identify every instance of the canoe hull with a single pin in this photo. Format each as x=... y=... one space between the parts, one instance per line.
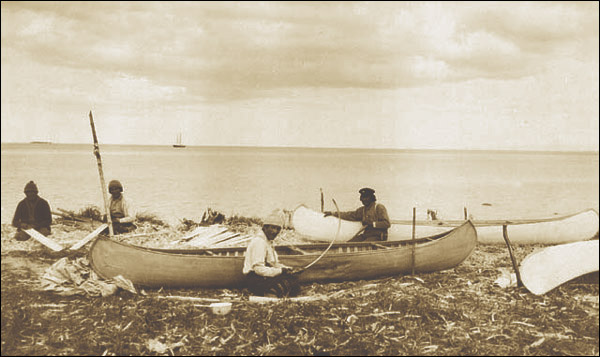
x=348 y=261
x=559 y=230
x=548 y=268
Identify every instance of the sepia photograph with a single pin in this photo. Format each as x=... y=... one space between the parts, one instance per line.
x=300 y=178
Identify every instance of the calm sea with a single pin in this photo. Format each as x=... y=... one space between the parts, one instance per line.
x=182 y=183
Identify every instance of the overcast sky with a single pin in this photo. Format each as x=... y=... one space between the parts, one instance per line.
x=405 y=75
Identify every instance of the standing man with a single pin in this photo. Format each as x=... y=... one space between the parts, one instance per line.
x=373 y=215
x=32 y=212
x=121 y=212
x=265 y=275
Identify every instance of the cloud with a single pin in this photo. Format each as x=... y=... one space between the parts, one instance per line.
x=224 y=51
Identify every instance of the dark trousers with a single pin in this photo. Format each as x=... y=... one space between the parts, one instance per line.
x=282 y=285
x=370 y=236
x=120 y=228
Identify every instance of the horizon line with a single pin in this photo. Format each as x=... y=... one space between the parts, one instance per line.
x=37 y=142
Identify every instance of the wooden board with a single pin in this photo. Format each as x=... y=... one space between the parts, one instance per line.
x=548 y=268
x=44 y=240
x=89 y=237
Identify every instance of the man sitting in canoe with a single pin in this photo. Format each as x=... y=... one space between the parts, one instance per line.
x=121 y=212
x=32 y=212
x=265 y=275
x=373 y=216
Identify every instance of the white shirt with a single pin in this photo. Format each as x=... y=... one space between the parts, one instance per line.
x=261 y=258
x=122 y=206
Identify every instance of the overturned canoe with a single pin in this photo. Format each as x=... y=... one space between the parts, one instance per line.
x=556 y=230
x=548 y=268
x=314 y=226
x=222 y=267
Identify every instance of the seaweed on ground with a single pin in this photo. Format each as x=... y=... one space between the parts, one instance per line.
x=459 y=311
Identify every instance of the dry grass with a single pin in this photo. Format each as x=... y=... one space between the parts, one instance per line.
x=453 y=312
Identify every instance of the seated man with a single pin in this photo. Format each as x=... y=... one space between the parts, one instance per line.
x=121 y=212
x=32 y=212
x=373 y=216
x=265 y=275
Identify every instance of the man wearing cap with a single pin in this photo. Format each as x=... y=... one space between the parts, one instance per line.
x=32 y=212
x=373 y=215
x=265 y=275
x=121 y=212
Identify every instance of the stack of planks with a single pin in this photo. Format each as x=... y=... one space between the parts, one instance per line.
x=215 y=236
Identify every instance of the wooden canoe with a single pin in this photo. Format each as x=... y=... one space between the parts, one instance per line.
x=222 y=267
x=548 y=268
x=556 y=230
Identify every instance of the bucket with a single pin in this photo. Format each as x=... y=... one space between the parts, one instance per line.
x=220 y=308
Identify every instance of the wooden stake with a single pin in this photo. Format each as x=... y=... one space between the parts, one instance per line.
x=322 y=201
x=102 y=183
x=413 y=240
x=512 y=257
x=465 y=210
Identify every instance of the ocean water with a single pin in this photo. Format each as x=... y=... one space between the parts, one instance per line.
x=182 y=183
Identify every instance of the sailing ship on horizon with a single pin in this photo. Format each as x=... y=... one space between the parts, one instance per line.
x=178 y=144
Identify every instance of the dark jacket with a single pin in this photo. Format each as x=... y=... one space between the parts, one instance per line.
x=375 y=214
x=42 y=217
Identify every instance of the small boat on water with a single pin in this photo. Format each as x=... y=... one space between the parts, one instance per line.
x=178 y=143
x=222 y=267
x=556 y=230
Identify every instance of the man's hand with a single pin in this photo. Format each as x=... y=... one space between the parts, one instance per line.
x=289 y=270
x=367 y=224
x=25 y=226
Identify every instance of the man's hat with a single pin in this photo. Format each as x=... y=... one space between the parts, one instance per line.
x=274 y=219
x=366 y=191
x=30 y=187
x=115 y=184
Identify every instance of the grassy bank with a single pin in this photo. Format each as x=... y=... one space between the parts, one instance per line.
x=454 y=312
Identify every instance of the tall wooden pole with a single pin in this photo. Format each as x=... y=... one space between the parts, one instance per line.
x=413 y=241
x=102 y=184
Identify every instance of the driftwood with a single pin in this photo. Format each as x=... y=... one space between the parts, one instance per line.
x=267 y=299
x=188 y=298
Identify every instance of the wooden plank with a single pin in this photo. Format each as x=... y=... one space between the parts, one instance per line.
x=44 y=240
x=194 y=233
x=296 y=249
x=268 y=299
x=89 y=237
x=188 y=298
x=68 y=216
x=380 y=246
x=231 y=242
x=203 y=240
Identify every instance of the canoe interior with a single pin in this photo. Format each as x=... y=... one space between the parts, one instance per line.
x=304 y=249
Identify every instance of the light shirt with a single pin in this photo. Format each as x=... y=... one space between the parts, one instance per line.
x=261 y=258
x=121 y=207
